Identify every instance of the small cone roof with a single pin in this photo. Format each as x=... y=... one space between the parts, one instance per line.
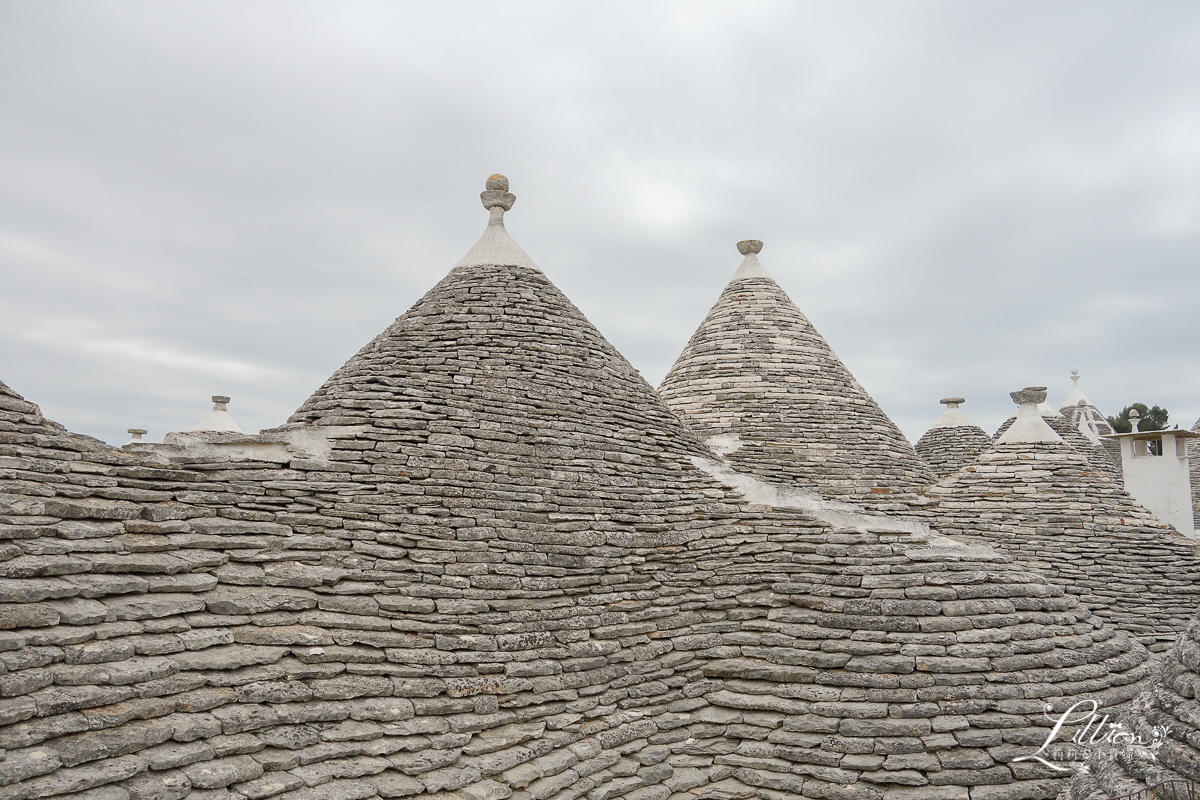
x=764 y=388
x=1100 y=454
x=953 y=441
x=1049 y=509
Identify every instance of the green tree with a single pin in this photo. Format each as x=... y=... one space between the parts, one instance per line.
x=1153 y=419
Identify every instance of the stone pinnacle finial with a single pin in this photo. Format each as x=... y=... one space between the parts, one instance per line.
x=1074 y=374
x=497 y=195
x=1030 y=394
x=749 y=246
x=219 y=402
x=1135 y=417
x=137 y=433
x=952 y=402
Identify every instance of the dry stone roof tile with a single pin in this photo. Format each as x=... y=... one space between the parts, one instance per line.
x=1163 y=717
x=516 y=584
x=761 y=386
x=1052 y=511
x=953 y=442
x=1103 y=456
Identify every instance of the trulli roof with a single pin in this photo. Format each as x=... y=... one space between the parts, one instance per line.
x=492 y=564
x=762 y=387
x=953 y=441
x=1046 y=506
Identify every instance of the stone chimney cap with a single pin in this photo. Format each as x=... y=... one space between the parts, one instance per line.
x=946 y=401
x=1030 y=394
x=137 y=432
x=497 y=194
x=749 y=246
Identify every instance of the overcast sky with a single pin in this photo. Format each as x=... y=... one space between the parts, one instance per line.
x=203 y=198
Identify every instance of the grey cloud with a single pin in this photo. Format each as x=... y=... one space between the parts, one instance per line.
x=232 y=198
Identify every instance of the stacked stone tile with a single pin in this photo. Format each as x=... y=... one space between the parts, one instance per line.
x=1167 y=706
x=484 y=561
x=953 y=442
x=1098 y=455
x=1045 y=505
x=763 y=388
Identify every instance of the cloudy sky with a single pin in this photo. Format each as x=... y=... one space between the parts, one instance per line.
x=967 y=198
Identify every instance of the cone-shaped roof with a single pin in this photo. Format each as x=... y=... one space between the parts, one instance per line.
x=504 y=559
x=765 y=390
x=219 y=419
x=1045 y=505
x=953 y=441
x=495 y=367
x=1100 y=454
x=1076 y=395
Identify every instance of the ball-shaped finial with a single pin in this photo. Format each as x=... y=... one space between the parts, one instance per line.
x=497 y=195
x=1074 y=373
x=750 y=246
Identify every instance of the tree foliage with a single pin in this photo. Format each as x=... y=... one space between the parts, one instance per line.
x=1153 y=419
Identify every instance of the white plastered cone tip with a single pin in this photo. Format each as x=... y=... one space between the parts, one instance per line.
x=1029 y=427
x=496 y=247
x=218 y=420
x=750 y=267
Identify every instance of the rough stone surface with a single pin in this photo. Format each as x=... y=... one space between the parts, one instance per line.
x=496 y=571
x=1168 y=705
x=1051 y=510
x=764 y=389
x=1104 y=456
x=953 y=442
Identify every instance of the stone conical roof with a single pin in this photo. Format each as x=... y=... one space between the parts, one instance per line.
x=1098 y=453
x=1049 y=509
x=762 y=387
x=1081 y=412
x=953 y=441
x=219 y=419
x=464 y=574
x=495 y=364
x=1076 y=395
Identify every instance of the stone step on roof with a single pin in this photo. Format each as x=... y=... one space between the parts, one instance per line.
x=1046 y=506
x=5 y=391
x=394 y=609
x=761 y=386
x=952 y=442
